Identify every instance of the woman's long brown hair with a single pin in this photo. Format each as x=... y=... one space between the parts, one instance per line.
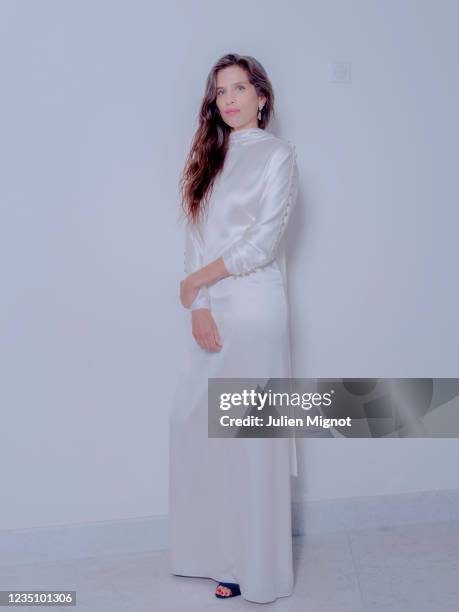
x=210 y=142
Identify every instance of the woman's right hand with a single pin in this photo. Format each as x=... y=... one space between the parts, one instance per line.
x=205 y=330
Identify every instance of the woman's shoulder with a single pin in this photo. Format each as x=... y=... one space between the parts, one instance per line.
x=279 y=150
x=277 y=145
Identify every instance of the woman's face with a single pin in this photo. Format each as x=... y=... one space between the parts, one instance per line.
x=237 y=99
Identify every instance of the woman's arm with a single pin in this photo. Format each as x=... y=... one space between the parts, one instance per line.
x=196 y=296
x=259 y=244
x=192 y=263
x=209 y=274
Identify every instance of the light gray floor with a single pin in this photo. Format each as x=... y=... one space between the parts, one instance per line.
x=395 y=569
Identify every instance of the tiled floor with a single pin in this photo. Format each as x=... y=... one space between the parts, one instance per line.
x=394 y=569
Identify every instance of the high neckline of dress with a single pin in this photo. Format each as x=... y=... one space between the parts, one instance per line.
x=247 y=134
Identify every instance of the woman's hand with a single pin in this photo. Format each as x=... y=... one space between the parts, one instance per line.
x=205 y=330
x=188 y=290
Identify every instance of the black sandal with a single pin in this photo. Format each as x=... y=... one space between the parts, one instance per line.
x=232 y=586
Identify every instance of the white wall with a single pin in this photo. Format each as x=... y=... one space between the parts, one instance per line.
x=98 y=107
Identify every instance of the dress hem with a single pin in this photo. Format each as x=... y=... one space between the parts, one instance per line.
x=231 y=579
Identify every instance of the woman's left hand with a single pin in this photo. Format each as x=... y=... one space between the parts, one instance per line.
x=188 y=291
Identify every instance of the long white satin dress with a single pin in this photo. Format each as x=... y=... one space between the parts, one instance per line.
x=230 y=498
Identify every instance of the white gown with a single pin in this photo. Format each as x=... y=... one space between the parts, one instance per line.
x=230 y=498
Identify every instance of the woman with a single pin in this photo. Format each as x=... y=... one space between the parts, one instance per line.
x=229 y=504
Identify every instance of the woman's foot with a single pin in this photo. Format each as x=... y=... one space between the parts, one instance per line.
x=227 y=589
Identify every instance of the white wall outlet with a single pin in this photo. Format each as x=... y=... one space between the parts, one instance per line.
x=339 y=72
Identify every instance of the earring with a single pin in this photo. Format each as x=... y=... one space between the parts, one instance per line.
x=259 y=113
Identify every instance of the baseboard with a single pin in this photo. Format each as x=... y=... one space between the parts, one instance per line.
x=82 y=540
x=374 y=512
x=78 y=541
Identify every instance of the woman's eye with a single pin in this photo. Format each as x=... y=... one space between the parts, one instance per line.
x=221 y=90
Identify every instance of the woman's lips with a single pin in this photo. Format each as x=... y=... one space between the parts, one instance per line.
x=231 y=112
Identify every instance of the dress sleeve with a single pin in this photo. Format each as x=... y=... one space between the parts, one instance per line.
x=260 y=242
x=192 y=262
